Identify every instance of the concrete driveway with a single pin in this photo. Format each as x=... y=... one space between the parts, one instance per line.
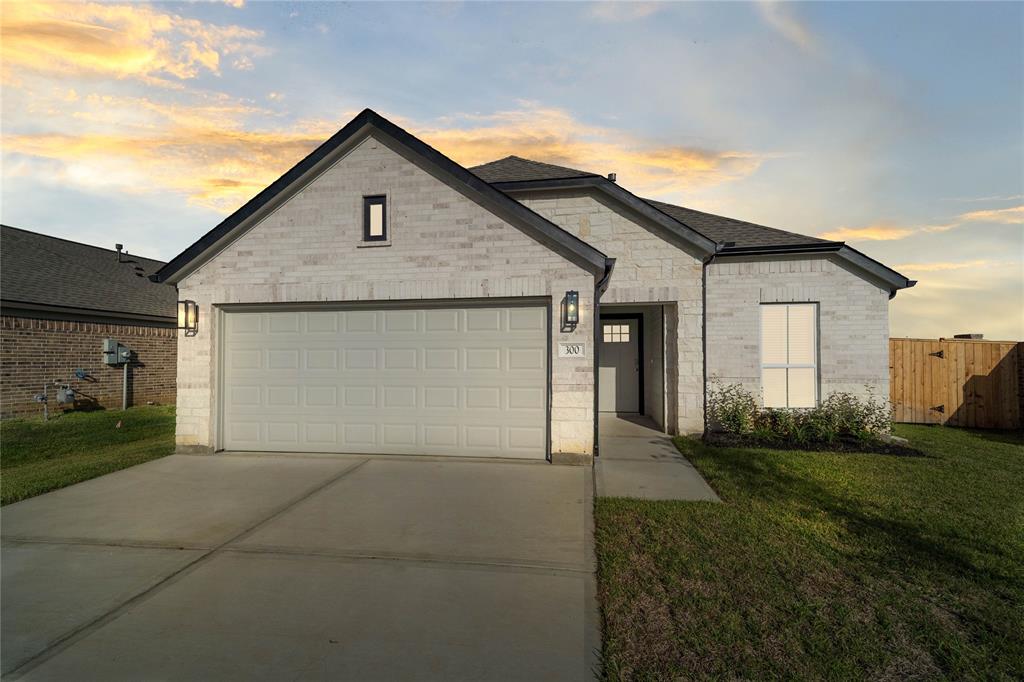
x=296 y=567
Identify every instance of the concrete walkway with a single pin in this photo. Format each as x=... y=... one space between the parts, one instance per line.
x=292 y=567
x=638 y=460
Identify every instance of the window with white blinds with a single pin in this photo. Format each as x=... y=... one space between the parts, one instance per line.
x=789 y=354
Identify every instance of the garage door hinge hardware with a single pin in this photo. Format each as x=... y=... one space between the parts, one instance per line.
x=938 y=354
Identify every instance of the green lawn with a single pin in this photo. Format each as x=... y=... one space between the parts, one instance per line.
x=38 y=456
x=823 y=565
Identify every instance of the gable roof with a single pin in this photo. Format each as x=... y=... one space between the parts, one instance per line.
x=527 y=174
x=48 y=273
x=517 y=169
x=356 y=130
x=513 y=174
x=726 y=236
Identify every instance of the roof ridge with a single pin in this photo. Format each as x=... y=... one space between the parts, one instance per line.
x=72 y=241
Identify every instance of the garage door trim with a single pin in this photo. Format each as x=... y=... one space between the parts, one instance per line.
x=222 y=309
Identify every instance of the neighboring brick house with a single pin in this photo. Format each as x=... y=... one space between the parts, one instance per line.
x=59 y=300
x=381 y=298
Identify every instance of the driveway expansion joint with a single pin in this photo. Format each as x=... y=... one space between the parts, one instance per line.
x=455 y=562
x=82 y=631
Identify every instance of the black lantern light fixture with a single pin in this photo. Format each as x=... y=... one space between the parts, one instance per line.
x=570 y=310
x=188 y=317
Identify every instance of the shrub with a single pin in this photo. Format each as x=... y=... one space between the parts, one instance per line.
x=839 y=418
x=732 y=408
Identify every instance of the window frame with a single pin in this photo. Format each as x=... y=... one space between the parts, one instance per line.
x=619 y=333
x=375 y=200
x=816 y=365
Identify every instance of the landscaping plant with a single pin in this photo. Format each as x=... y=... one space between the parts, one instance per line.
x=840 y=420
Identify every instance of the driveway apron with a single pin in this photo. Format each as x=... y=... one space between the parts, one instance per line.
x=304 y=567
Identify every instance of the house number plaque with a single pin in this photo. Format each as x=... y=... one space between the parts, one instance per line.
x=572 y=350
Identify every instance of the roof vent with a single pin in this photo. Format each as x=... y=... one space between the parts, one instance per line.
x=970 y=337
x=118 y=247
x=611 y=177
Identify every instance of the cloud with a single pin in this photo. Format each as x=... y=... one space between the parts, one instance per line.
x=208 y=151
x=889 y=232
x=114 y=41
x=1009 y=216
x=201 y=150
x=876 y=232
x=555 y=136
x=782 y=19
x=623 y=11
x=945 y=266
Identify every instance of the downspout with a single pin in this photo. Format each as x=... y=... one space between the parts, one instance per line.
x=704 y=327
x=599 y=288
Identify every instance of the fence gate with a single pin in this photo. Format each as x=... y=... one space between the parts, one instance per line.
x=957 y=382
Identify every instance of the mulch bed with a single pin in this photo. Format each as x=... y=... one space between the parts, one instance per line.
x=851 y=445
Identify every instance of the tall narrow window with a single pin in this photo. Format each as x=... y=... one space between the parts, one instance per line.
x=375 y=220
x=789 y=354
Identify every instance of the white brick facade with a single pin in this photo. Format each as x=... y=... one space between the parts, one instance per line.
x=853 y=321
x=442 y=246
x=647 y=270
x=446 y=247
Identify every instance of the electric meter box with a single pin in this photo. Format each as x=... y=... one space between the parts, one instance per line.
x=112 y=352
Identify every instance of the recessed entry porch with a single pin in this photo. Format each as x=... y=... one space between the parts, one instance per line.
x=632 y=368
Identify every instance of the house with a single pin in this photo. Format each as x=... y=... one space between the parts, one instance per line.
x=59 y=301
x=381 y=298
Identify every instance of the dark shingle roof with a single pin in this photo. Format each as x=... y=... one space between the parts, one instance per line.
x=740 y=232
x=517 y=169
x=42 y=270
x=715 y=227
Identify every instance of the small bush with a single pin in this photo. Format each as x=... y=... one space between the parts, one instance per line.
x=839 y=418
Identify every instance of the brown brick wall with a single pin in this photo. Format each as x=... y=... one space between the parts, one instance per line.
x=34 y=352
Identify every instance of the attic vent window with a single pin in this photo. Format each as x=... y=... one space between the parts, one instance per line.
x=375 y=221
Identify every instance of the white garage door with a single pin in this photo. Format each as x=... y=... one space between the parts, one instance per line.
x=437 y=381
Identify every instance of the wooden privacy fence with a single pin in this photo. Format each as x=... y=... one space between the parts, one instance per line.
x=957 y=382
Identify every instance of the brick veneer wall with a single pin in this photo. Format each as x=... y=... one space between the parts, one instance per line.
x=442 y=246
x=647 y=270
x=34 y=352
x=853 y=324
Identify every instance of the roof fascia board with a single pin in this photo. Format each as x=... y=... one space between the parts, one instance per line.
x=330 y=152
x=623 y=197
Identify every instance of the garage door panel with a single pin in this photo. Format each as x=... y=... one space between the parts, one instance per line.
x=469 y=381
x=360 y=321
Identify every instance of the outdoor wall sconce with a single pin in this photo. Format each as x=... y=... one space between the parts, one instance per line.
x=570 y=310
x=188 y=317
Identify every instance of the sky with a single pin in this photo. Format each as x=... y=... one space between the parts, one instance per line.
x=896 y=127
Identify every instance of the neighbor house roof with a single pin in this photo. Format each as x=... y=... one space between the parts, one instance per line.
x=355 y=131
x=43 y=273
